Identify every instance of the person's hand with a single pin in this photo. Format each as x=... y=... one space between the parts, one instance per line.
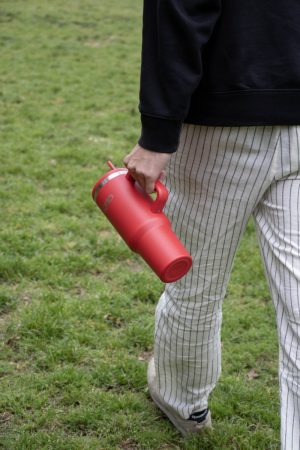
x=146 y=166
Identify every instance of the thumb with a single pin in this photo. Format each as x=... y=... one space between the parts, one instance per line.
x=126 y=159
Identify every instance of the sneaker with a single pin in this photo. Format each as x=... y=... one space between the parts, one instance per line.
x=197 y=421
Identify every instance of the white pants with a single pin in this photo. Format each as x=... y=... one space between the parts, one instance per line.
x=217 y=179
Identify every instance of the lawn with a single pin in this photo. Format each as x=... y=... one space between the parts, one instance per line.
x=76 y=306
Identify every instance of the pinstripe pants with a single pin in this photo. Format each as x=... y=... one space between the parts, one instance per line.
x=217 y=179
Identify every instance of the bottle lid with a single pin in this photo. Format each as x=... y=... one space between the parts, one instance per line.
x=105 y=178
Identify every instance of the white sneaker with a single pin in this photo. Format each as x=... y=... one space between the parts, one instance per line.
x=185 y=426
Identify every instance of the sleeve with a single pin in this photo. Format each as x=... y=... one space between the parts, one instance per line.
x=174 y=33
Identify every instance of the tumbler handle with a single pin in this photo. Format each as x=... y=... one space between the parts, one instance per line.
x=161 y=197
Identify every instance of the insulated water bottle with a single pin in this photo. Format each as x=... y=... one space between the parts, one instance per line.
x=141 y=223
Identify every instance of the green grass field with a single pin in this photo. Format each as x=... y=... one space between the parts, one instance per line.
x=76 y=306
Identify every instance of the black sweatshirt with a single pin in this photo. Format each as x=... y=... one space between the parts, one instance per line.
x=219 y=63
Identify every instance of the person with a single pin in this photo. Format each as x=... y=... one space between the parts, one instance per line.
x=220 y=114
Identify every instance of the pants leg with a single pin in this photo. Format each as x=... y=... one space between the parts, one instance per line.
x=277 y=219
x=216 y=178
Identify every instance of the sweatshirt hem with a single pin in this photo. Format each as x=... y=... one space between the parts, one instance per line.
x=249 y=107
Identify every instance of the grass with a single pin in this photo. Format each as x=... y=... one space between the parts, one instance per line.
x=76 y=306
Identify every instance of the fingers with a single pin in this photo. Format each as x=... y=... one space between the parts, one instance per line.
x=146 y=182
x=146 y=166
x=149 y=185
x=129 y=156
x=126 y=160
x=140 y=172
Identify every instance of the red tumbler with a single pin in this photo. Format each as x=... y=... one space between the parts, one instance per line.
x=141 y=223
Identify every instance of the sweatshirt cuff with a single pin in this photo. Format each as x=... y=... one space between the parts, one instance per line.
x=159 y=135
